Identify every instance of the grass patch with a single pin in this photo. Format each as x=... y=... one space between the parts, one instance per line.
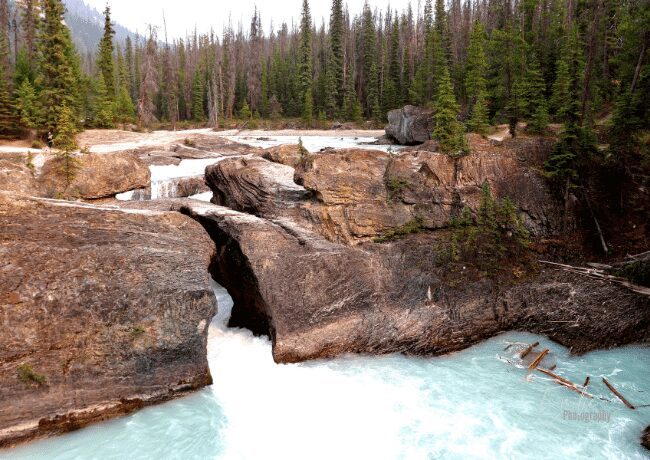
x=137 y=332
x=395 y=187
x=413 y=226
x=27 y=375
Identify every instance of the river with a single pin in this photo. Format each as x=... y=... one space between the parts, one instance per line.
x=471 y=404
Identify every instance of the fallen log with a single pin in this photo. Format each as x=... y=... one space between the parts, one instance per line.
x=617 y=394
x=527 y=351
x=600 y=275
x=564 y=382
x=538 y=360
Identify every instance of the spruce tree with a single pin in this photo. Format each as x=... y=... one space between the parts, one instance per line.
x=305 y=63
x=7 y=119
x=124 y=109
x=104 y=108
x=422 y=87
x=58 y=64
x=448 y=131
x=370 y=81
x=335 y=77
x=66 y=143
x=198 y=97
x=475 y=82
x=105 y=58
x=538 y=110
x=27 y=106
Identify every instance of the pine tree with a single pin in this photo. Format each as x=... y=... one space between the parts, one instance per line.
x=58 y=64
x=198 y=97
x=422 y=87
x=104 y=108
x=448 y=131
x=105 y=59
x=538 y=110
x=479 y=119
x=335 y=76
x=27 y=106
x=475 y=83
x=65 y=141
x=124 y=109
x=392 y=95
x=305 y=63
x=7 y=120
x=370 y=81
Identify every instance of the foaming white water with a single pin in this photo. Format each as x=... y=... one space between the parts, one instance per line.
x=470 y=404
x=313 y=144
x=205 y=196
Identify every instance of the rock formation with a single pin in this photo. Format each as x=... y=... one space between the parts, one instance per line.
x=95 y=176
x=410 y=125
x=645 y=438
x=17 y=178
x=103 y=311
x=320 y=299
x=301 y=266
x=357 y=195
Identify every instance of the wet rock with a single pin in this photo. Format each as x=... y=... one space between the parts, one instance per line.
x=95 y=176
x=410 y=125
x=645 y=438
x=104 y=311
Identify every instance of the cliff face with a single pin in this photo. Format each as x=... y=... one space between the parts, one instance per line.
x=103 y=311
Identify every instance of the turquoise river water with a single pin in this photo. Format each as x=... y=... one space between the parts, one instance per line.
x=479 y=404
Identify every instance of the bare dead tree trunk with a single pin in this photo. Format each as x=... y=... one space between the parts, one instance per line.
x=639 y=63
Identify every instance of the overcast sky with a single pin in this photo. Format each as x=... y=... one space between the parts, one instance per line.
x=183 y=15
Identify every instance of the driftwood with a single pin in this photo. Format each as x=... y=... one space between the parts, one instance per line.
x=617 y=394
x=586 y=384
x=527 y=351
x=595 y=273
x=564 y=382
x=538 y=360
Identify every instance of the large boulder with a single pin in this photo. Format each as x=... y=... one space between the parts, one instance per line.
x=95 y=176
x=645 y=438
x=254 y=185
x=316 y=298
x=17 y=178
x=410 y=125
x=103 y=311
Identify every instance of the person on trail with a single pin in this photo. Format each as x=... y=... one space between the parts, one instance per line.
x=50 y=139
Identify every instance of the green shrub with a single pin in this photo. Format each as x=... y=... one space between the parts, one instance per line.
x=38 y=144
x=396 y=187
x=413 y=226
x=137 y=331
x=27 y=375
x=189 y=142
x=497 y=233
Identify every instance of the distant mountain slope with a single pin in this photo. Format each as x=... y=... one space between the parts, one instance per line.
x=87 y=26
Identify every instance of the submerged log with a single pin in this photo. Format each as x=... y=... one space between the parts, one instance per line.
x=527 y=351
x=617 y=394
x=564 y=382
x=538 y=360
